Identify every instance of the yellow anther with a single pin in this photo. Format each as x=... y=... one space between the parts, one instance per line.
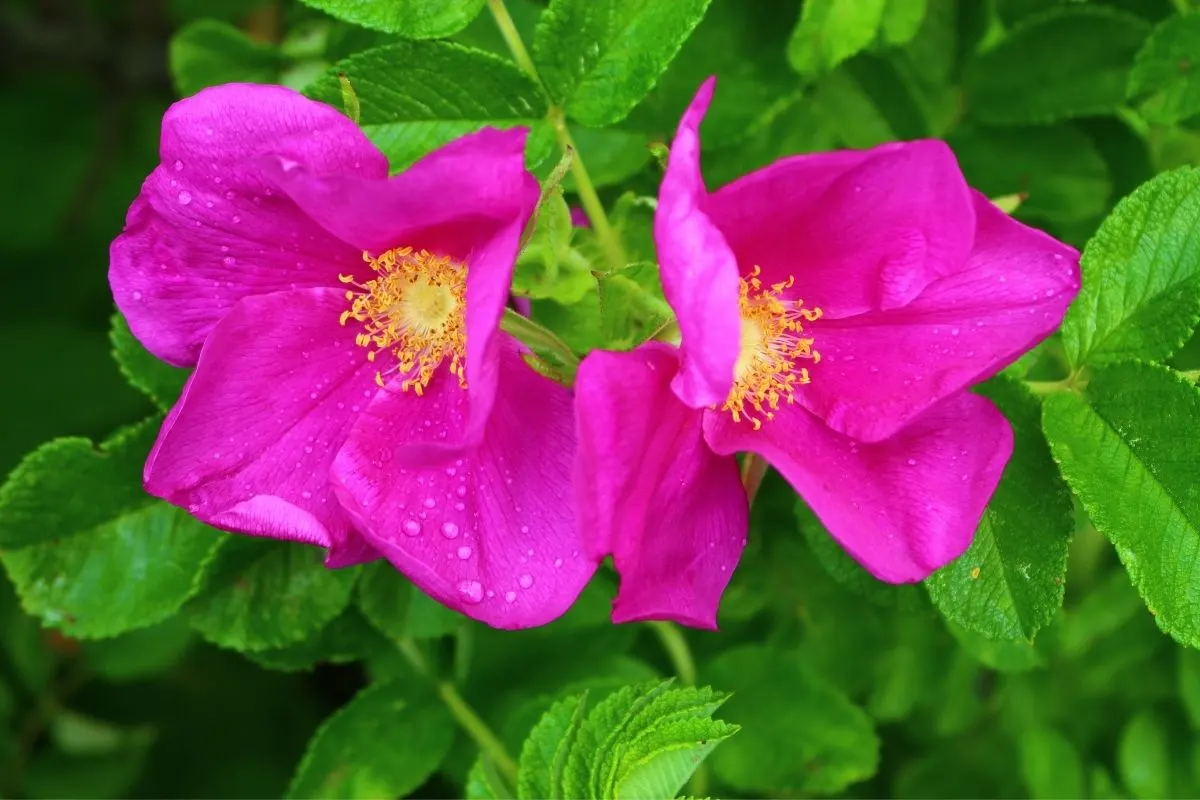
x=771 y=343
x=413 y=309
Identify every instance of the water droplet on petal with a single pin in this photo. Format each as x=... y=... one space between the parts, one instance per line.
x=412 y=527
x=178 y=165
x=912 y=462
x=472 y=591
x=510 y=597
x=525 y=581
x=184 y=198
x=464 y=552
x=429 y=502
x=461 y=491
x=524 y=529
x=558 y=562
x=229 y=261
x=449 y=530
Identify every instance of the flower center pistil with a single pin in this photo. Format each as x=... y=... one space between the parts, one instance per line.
x=772 y=341
x=414 y=309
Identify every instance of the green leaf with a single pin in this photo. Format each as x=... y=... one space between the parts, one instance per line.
x=1165 y=72
x=1120 y=449
x=265 y=594
x=412 y=19
x=800 y=735
x=140 y=654
x=549 y=268
x=632 y=307
x=207 y=52
x=385 y=743
x=831 y=31
x=1141 y=276
x=1003 y=655
x=1189 y=684
x=1069 y=62
x=544 y=754
x=347 y=639
x=399 y=609
x=1143 y=757
x=1009 y=582
x=1057 y=170
x=132 y=571
x=417 y=96
x=71 y=486
x=484 y=782
x=158 y=380
x=599 y=58
x=902 y=20
x=1050 y=764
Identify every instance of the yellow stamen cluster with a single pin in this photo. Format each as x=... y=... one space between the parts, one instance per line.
x=413 y=309
x=772 y=341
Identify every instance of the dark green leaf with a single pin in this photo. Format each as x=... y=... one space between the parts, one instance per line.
x=1069 y=62
x=1165 y=72
x=1143 y=757
x=1120 y=449
x=265 y=594
x=417 y=96
x=140 y=654
x=158 y=380
x=348 y=638
x=412 y=19
x=398 y=609
x=1050 y=764
x=1009 y=582
x=1141 y=276
x=207 y=52
x=386 y=742
x=599 y=58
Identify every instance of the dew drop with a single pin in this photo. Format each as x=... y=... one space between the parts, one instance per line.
x=472 y=591
x=451 y=471
x=460 y=506
x=184 y=198
x=524 y=529
x=412 y=527
x=525 y=581
x=137 y=295
x=464 y=552
x=461 y=491
x=912 y=462
x=178 y=165
x=229 y=261
x=449 y=530
x=558 y=562
x=307 y=495
x=429 y=502
x=510 y=597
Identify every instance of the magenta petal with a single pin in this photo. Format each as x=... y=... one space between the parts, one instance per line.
x=699 y=271
x=492 y=532
x=651 y=492
x=469 y=200
x=208 y=228
x=858 y=230
x=902 y=507
x=249 y=444
x=882 y=369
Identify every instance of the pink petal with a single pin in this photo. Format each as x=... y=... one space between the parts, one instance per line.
x=651 y=492
x=491 y=532
x=902 y=507
x=209 y=228
x=858 y=230
x=469 y=200
x=880 y=370
x=249 y=444
x=699 y=271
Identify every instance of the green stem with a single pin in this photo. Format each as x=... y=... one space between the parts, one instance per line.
x=537 y=337
x=462 y=712
x=610 y=243
x=677 y=650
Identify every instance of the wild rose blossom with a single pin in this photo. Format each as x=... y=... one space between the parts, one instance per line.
x=832 y=308
x=352 y=389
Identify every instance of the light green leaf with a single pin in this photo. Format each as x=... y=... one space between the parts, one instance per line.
x=417 y=96
x=800 y=735
x=132 y=571
x=1009 y=582
x=265 y=594
x=398 y=609
x=831 y=31
x=1120 y=449
x=71 y=486
x=1165 y=71
x=1056 y=170
x=412 y=19
x=544 y=754
x=1003 y=655
x=1143 y=757
x=549 y=268
x=632 y=306
x=484 y=782
x=599 y=58
x=1141 y=276
x=207 y=52
x=1069 y=62
x=158 y=380
x=1050 y=764
x=902 y=19
x=386 y=742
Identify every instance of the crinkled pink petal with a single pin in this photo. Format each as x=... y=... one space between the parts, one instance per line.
x=650 y=491
x=208 y=228
x=249 y=444
x=880 y=370
x=469 y=200
x=699 y=271
x=491 y=532
x=858 y=230
x=902 y=507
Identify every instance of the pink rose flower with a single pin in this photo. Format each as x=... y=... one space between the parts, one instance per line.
x=352 y=388
x=833 y=309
